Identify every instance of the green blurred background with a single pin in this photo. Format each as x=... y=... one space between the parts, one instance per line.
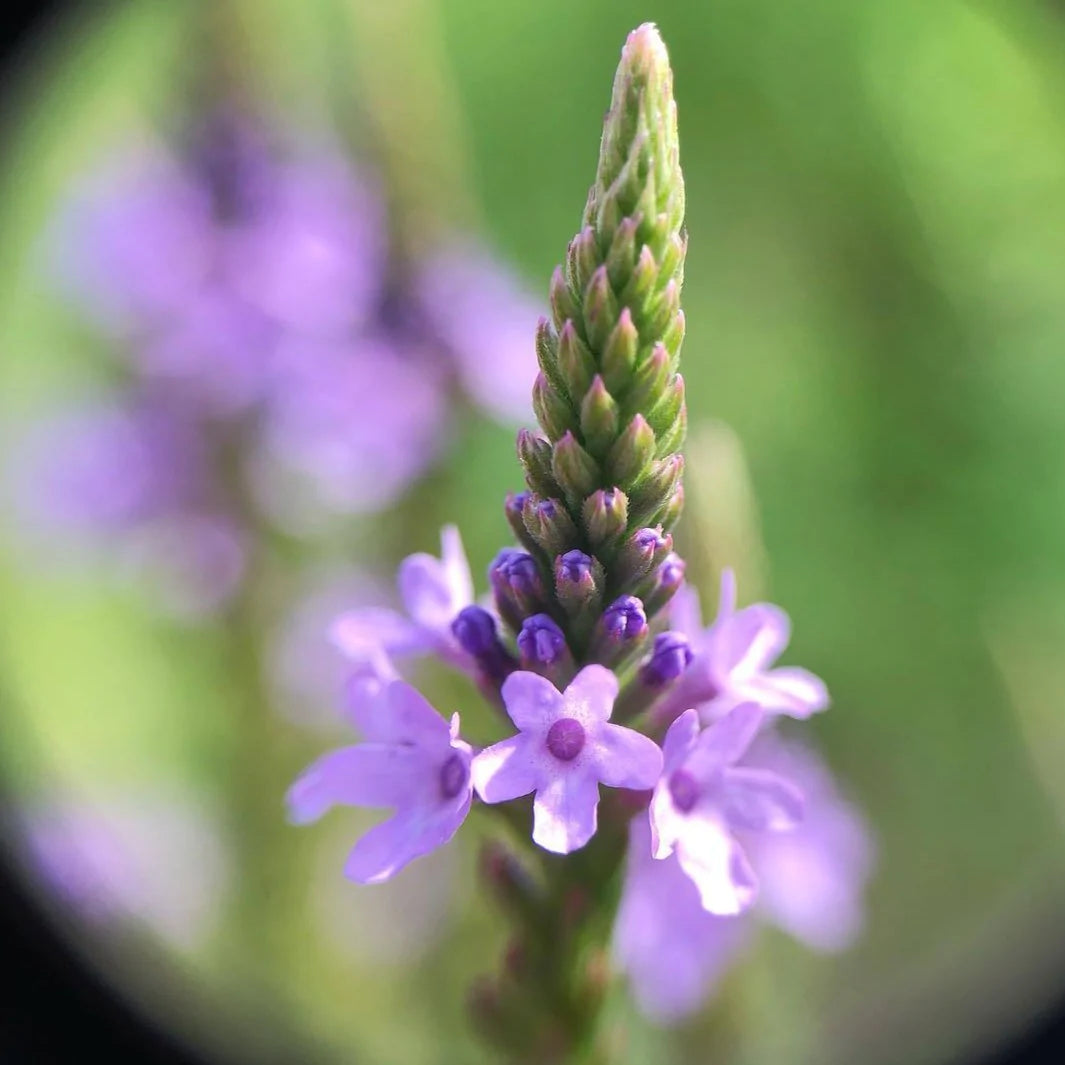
x=874 y=296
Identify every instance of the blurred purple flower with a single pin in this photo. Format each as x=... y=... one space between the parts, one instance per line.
x=307 y=672
x=433 y=591
x=733 y=659
x=352 y=425
x=672 y=950
x=135 y=243
x=413 y=762
x=704 y=799
x=155 y=857
x=812 y=882
x=100 y=470
x=488 y=323
x=566 y=748
x=310 y=251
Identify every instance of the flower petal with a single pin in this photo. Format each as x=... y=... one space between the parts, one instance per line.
x=506 y=770
x=625 y=758
x=717 y=866
x=384 y=850
x=749 y=640
x=532 y=702
x=726 y=741
x=726 y=602
x=370 y=774
x=564 y=812
x=424 y=589
x=679 y=739
x=760 y=800
x=456 y=567
x=590 y=695
x=787 y=690
x=409 y=718
x=685 y=615
x=361 y=634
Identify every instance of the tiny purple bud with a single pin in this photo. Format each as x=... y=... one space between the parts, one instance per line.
x=574 y=567
x=515 y=503
x=624 y=619
x=475 y=630
x=522 y=575
x=648 y=541
x=565 y=739
x=670 y=657
x=497 y=570
x=541 y=641
x=671 y=572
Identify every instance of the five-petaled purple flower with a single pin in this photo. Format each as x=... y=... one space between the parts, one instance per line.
x=413 y=762
x=703 y=798
x=433 y=591
x=566 y=748
x=733 y=659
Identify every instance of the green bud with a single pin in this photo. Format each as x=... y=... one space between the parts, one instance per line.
x=632 y=453
x=548 y=524
x=621 y=257
x=673 y=337
x=605 y=516
x=650 y=380
x=552 y=409
x=599 y=418
x=574 y=470
x=563 y=303
x=669 y=409
x=600 y=309
x=514 y=509
x=534 y=453
x=640 y=291
x=575 y=361
x=668 y=514
x=547 y=345
x=648 y=502
x=619 y=353
x=662 y=311
x=582 y=259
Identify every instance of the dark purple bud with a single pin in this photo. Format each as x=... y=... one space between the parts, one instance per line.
x=515 y=505
x=625 y=619
x=516 y=502
x=670 y=657
x=565 y=739
x=549 y=525
x=523 y=576
x=541 y=641
x=574 y=568
x=475 y=630
x=497 y=571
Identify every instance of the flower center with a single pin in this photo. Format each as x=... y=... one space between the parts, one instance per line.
x=684 y=790
x=565 y=739
x=453 y=776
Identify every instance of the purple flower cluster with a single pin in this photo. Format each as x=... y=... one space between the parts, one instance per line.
x=272 y=353
x=736 y=823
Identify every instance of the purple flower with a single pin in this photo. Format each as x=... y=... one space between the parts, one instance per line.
x=624 y=619
x=346 y=429
x=135 y=244
x=433 y=591
x=152 y=856
x=811 y=884
x=671 y=949
x=478 y=635
x=309 y=253
x=812 y=879
x=566 y=748
x=733 y=659
x=475 y=306
x=413 y=762
x=703 y=798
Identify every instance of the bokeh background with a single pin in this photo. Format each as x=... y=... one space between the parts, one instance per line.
x=876 y=209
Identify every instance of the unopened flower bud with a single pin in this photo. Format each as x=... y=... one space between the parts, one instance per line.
x=606 y=516
x=475 y=630
x=670 y=657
